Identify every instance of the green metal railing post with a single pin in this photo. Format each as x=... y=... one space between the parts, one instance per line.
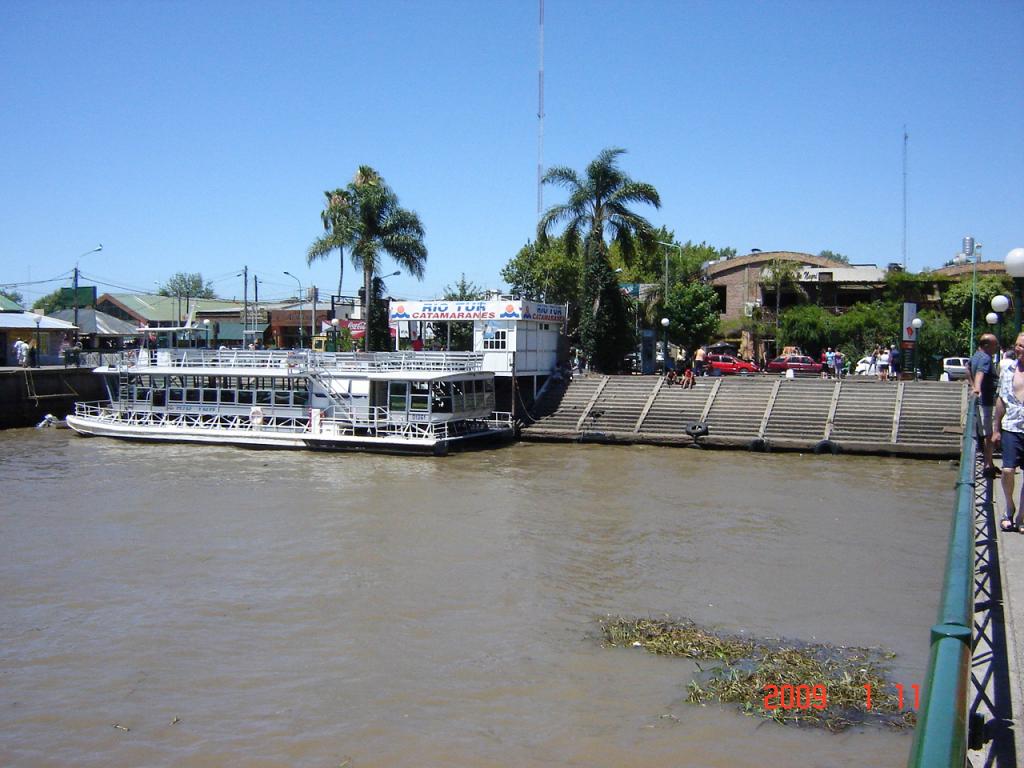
x=940 y=739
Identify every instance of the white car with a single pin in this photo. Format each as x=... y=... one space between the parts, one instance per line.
x=865 y=368
x=955 y=367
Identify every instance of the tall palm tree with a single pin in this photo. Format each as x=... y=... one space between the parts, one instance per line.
x=383 y=226
x=339 y=222
x=600 y=202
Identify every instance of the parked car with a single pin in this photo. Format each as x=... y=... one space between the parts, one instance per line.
x=864 y=367
x=729 y=364
x=955 y=367
x=798 y=363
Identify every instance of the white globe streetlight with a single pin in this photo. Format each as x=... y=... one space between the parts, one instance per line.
x=664 y=324
x=1000 y=303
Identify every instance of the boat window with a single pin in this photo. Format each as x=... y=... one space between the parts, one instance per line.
x=458 y=399
x=227 y=395
x=176 y=395
x=159 y=398
x=397 y=395
x=282 y=398
x=142 y=394
x=245 y=396
x=263 y=397
x=441 y=397
x=191 y=395
x=301 y=398
x=209 y=395
x=495 y=340
x=419 y=400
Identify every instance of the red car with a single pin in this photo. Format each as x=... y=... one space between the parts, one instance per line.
x=729 y=364
x=799 y=363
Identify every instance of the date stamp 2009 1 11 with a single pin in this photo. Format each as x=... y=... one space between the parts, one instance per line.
x=816 y=696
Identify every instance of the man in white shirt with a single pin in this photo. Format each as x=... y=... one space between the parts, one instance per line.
x=1008 y=431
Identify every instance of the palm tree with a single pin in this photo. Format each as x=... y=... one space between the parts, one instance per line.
x=600 y=202
x=382 y=226
x=340 y=225
x=781 y=273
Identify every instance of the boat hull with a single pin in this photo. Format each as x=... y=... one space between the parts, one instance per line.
x=256 y=438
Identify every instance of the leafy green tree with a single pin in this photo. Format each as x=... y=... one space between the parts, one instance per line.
x=692 y=310
x=340 y=224
x=13 y=295
x=600 y=202
x=545 y=272
x=383 y=227
x=187 y=284
x=807 y=326
x=460 y=335
x=834 y=256
x=938 y=338
x=605 y=332
x=956 y=300
x=867 y=325
x=49 y=303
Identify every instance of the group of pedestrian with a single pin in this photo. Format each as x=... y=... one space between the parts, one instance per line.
x=884 y=363
x=684 y=379
x=833 y=364
x=1000 y=390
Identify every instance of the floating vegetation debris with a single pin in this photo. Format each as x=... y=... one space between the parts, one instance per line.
x=796 y=683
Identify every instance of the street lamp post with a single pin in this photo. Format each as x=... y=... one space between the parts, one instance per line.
x=999 y=305
x=39 y=349
x=915 y=324
x=334 y=334
x=1015 y=268
x=670 y=245
x=97 y=249
x=664 y=357
x=293 y=277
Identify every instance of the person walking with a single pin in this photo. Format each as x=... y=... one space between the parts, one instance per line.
x=1008 y=433
x=984 y=382
x=894 y=363
x=837 y=364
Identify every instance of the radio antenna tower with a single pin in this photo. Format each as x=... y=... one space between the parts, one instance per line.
x=540 y=119
x=905 y=137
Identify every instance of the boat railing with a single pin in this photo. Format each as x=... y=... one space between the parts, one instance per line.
x=365 y=362
x=376 y=421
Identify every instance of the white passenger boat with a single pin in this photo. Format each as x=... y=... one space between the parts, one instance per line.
x=400 y=402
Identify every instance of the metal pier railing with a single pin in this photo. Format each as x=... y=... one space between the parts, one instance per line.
x=941 y=737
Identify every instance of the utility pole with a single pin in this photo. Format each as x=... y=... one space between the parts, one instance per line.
x=245 y=294
x=905 y=137
x=540 y=119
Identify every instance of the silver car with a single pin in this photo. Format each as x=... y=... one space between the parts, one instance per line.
x=955 y=367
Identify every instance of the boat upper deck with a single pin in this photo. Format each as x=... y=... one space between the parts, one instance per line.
x=300 y=361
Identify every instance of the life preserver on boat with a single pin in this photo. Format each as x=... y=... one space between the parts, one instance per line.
x=697 y=429
x=256 y=416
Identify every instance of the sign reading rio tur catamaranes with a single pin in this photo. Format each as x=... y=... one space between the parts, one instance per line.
x=505 y=309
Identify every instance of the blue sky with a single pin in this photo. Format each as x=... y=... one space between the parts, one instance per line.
x=199 y=137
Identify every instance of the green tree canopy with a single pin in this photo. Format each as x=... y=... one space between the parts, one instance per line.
x=807 y=326
x=834 y=256
x=187 y=284
x=956 y=300
x=692 y=310
x=459 y=336
x=13 y=295
x=49 y=303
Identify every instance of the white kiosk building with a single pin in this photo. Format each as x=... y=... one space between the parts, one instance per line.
x=522 y=341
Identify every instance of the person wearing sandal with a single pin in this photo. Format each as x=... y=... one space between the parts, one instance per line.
x=984 y=381
x=1008 y=431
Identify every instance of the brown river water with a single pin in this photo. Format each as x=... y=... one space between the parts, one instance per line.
x=232 y=607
